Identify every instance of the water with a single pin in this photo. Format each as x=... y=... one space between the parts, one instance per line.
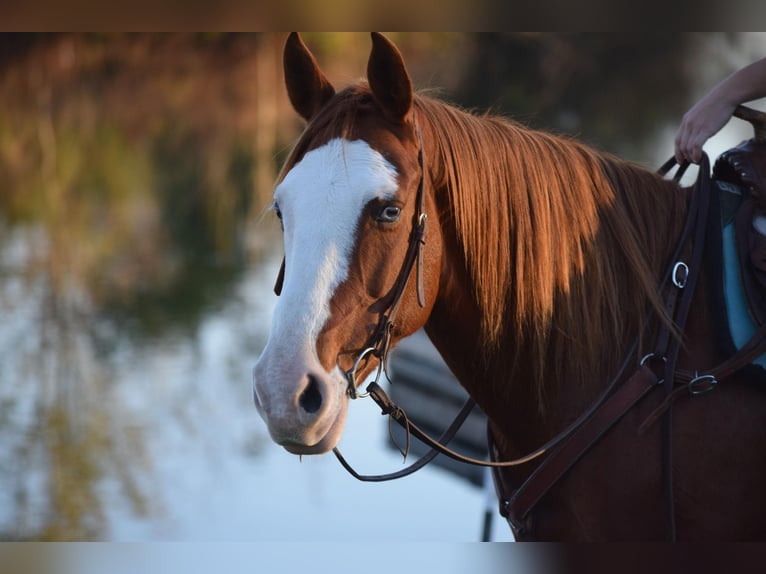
x=136 y=274
x=182 y=454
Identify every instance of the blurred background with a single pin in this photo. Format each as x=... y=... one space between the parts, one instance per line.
x=137 y=260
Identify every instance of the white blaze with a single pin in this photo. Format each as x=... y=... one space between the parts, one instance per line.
x=321 y=199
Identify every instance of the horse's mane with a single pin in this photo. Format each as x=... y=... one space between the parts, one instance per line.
x=565 y=245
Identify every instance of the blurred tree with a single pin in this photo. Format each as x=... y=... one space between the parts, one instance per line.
x=610 y=90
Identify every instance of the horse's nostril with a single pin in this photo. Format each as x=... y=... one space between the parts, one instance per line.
x=311 y=399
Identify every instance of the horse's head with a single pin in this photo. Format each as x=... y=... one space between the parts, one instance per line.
x=353 y=203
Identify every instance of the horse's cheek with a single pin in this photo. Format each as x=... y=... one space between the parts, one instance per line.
x=379 y=263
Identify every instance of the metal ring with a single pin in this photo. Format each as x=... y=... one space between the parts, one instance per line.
x=695 y=392
x=680 y=283
x=351 y=375
x=648 y=356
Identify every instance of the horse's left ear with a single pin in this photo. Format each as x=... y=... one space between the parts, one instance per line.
x=388 y=77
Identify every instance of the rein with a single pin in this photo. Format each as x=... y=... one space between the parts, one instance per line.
x=566 y=448
x=439 y=446
x=379 y=347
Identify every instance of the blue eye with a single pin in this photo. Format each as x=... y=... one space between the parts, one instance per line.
x=389 y=214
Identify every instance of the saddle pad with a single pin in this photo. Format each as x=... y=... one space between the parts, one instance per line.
x=741 y=324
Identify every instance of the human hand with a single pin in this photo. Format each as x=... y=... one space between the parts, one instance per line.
x=702 y=121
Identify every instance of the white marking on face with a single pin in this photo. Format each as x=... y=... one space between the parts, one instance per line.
x=321 y=199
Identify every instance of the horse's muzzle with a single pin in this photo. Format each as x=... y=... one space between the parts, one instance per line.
x=304 y=413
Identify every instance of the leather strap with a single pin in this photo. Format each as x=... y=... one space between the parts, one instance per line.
x=695 y=384
x=443 y=440
x=517 y=507
x=701 y=201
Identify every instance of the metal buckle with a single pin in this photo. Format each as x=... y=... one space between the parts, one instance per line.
x=680 y=282
x=702 y=384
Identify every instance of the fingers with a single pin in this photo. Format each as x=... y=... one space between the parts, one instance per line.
x=701 y=122
x=689 y=152
x=689 y=141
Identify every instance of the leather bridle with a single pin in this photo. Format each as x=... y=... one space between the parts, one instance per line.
x=379 y=344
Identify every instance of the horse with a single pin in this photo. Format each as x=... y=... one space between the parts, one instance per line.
x=537 y=265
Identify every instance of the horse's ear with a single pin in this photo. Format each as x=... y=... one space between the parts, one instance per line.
x=308 y=88
x=388 y=77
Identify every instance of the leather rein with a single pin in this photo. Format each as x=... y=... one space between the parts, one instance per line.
x=439 y=446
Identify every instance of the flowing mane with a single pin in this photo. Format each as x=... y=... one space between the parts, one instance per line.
x=551 y=230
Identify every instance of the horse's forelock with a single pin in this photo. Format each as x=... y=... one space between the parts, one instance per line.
x=336 y=120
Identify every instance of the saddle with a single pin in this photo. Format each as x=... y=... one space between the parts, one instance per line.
x=739 y=175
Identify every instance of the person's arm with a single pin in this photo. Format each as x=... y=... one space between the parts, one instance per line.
x=712 y=112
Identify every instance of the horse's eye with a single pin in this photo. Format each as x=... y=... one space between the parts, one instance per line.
x=389 y=214
x=275 y=207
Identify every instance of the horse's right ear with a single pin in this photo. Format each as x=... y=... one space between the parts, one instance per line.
x=308 y=88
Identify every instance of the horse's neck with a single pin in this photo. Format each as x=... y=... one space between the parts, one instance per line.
x=507 y=399
x=454 y=327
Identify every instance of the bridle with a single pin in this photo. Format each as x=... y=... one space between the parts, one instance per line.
x=379 y=344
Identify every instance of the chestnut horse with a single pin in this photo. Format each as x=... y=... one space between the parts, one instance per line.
x=538 y=265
